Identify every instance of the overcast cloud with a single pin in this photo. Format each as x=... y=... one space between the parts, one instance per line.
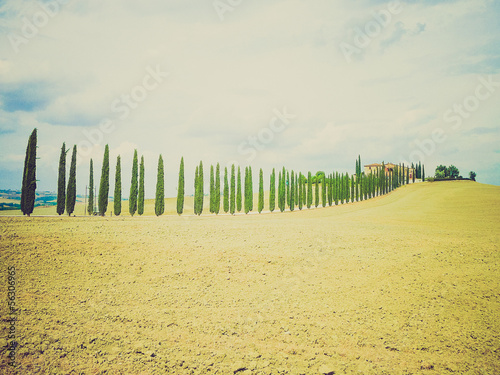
x=198 y=78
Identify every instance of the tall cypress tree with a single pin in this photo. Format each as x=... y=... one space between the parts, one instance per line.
x=287 y=181
x=250 y=188
x=180 y=188
x=104 y=183
x=309 y=190
x=261 y=191
x=160 y=189
x=61 y=181
x=272 y=191
x=217 y=190
x=280 y=191
x=292 y=191
x=323 y=190
x=90 y=208
x=212 y=188
x=196 y=200
x=238 y=191
x=299 y=200
x=347 y=188
x=316 y=192
x=232 y=194
x=71 y=193
x=201 y=188
x=117 y=198
x=28 y=189
x=246 y=193
x=226 y=192
x=423 y=172
x=132 y=200
x=140 y=195
x=352 y=188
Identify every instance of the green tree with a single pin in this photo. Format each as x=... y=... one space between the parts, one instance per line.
x=140 y=197
x=453 y=171
x=117 y=198
x=292 y=191
x=232 y=196
x=261 y=191
x=28 y=189
x=217 y=190
x=323 y=190
x=250 y=188
x=132 y=200
x=226 y=192
x=160 y=189
x=423 y=173
x=309 y=190
x=90 y=208
x=272 y=191
x=238 y=191
x=201 y=188
x=352 y=188
x=212 y=188
x=61 y=181
x=316 y=193
x=104 y=183
x=196 y=190
x=247 y=192
x=180 y=188
x=472 y=175
x=71 y=193
x=280 y=192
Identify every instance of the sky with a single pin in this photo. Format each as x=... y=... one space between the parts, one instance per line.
x=303 y=84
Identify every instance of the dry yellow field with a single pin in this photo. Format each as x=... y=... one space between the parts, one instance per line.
x=407 y=283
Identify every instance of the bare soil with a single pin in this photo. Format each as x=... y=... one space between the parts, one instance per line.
x=407 y=283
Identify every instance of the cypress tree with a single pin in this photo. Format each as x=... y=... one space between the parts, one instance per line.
x=71 y=193
x=272 y=192
x=407 y=175
x=309 y=190
x=352 y=188
x=29 y=176
x=132 y=200
x=287 y=188
x=292 y=191
x=323 y=190
x=140 y=198
x=280 y=191
x=261 y=191
x=250 y=188
x=247 y=194
x=201 y=188
x=299 y=200
x=104 y=183
x=90 y=208
x=226 y=192
x=316 y=192
x=296 y=188
x=160 y=189
x=423 y=172
x=180 y=187
x=61 y=181
x=217 y=190
x=196 y=190
x=238 y=191
x=232 y=196
x=212 y=188
x=117 y=197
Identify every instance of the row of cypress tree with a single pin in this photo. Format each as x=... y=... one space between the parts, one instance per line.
x=293 y=189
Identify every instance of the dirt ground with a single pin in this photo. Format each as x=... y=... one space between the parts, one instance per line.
x=407 y=283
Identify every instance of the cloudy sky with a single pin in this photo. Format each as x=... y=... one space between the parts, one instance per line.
x=303 y=84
